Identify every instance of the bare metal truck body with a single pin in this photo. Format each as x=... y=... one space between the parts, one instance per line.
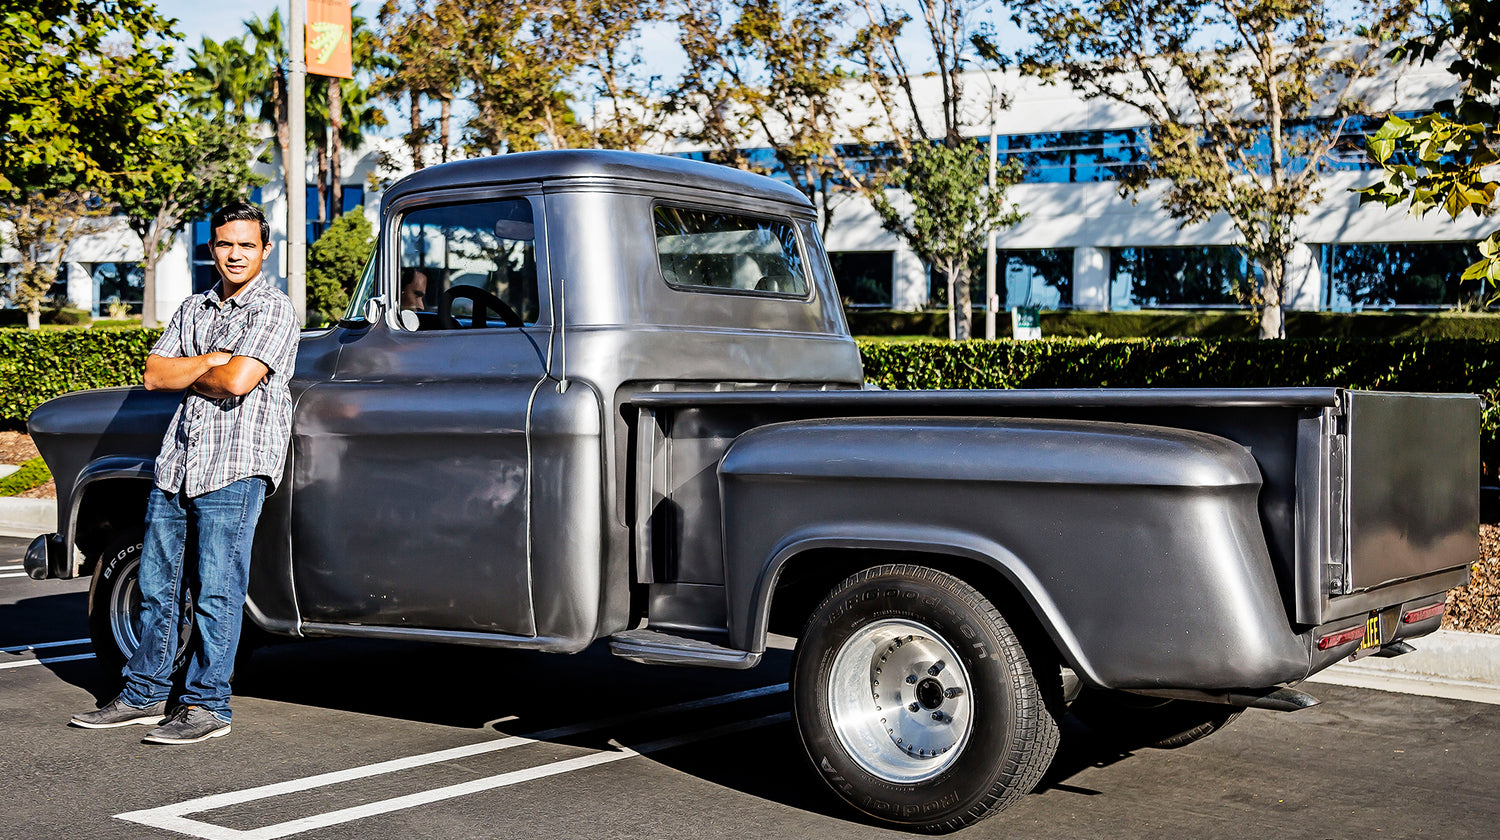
x=629 y=409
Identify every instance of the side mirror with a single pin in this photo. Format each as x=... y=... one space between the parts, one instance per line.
x=375 y=308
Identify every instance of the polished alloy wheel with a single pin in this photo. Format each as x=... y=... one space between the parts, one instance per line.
x=125 y=609
x=899 y=698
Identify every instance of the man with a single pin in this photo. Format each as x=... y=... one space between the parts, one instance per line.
x=413 y=289
x=232 y=350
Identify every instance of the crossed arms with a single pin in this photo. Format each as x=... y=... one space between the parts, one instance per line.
x=215 y=375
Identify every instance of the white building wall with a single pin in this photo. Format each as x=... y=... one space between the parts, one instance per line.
x=1091 y=278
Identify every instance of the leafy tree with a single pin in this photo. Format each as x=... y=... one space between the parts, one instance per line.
x=268 y=63
x=1245 y=98
x=596 y=41
x=424 y=45
x=339 y=112
x=519 y=94
x=949 y=211
x=1439 y=161
x=934 y=164
x=771 y=74
x=80 y=82
x=196 y=164
x=334 y=263
x=42 y=227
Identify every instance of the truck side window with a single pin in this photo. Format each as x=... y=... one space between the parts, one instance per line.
x=470 y=265
x=708 y=249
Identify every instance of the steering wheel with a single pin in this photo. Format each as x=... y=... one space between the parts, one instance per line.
x=482 y=300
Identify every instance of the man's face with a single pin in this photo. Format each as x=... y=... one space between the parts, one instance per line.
x=413 y=292
x=238 y=250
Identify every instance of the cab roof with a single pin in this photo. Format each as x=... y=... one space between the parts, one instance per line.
x=597 y=165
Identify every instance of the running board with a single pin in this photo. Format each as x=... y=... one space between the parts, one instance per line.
x=654 y=647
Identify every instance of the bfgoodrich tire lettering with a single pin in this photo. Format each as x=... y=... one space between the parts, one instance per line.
x=916 y=702
x=114 y=604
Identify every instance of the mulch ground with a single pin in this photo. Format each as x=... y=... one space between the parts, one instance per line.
x=1474 y=608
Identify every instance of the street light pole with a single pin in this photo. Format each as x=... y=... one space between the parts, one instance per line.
x=296 y=163
x=991 y=300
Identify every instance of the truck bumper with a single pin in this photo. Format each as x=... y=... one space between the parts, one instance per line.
x=46 y=557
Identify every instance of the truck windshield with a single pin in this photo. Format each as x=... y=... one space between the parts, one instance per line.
x=712 y=250
x=363 y=289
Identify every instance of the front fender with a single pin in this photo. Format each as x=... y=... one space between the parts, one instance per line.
x=1139 y=548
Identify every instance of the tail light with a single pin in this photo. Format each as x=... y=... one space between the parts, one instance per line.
x=1422 y=613
x=1342 y=637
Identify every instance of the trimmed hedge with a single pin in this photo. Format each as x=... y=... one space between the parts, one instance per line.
x=1442 y=365
x=1149 y=324
x=36 y=365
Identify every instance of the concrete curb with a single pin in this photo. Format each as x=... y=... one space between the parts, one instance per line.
x=1448 y=663
x=27 y=517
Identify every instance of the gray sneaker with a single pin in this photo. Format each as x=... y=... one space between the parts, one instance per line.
x=188 y=725
x=118 y=713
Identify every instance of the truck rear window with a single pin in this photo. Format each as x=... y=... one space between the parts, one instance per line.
x=708 y=249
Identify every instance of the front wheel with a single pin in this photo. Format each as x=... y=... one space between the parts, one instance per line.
x=916 y=702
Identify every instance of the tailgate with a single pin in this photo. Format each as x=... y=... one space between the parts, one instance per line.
x=1412 y=486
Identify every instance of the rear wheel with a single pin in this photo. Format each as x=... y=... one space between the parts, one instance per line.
x=115 y=602
x=1132 y=721
x=916 y=702
x=115 y=610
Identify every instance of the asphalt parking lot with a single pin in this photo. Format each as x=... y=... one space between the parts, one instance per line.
x=341 y=739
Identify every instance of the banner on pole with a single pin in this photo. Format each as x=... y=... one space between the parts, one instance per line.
x=328 y=30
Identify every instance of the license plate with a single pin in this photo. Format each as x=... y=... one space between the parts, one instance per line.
x=1372 y=640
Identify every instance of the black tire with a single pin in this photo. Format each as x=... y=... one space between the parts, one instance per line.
x=114 y=595
x=934 y=774
x=1131 y=721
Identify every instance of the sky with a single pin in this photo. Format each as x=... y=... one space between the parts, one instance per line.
x=197 y=19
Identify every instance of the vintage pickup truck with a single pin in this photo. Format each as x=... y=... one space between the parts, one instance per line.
x=598 y=397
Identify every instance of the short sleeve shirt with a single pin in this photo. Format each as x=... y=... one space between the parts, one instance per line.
x=212 y=443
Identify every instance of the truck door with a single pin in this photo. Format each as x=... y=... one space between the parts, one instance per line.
x=412 y=486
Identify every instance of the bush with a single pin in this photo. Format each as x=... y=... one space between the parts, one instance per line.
x=333 y=266
x=38 y=365
x=1443 y=365
x=1078 y=324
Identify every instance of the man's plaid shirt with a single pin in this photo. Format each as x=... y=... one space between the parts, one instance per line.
x=210 y=443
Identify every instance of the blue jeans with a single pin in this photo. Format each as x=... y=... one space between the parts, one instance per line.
x=197 y=558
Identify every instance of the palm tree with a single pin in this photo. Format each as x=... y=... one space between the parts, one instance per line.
x=267 y=42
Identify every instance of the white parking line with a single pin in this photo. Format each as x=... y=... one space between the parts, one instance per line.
x=48 y=661
x=12 y=574
x=172 y=817
x=207 y=831
x=43 y=646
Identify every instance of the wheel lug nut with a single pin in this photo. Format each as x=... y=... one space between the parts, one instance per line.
x=914 y=707
x=939 y=717
x=911 y=679
x=937 y=668
x=954 y=692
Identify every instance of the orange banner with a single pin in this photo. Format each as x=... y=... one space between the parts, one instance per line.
x=328 y=27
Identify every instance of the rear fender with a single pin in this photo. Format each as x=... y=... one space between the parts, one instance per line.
x=925 y=540
x=1139 y=549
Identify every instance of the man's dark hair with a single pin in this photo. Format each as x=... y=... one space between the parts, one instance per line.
x=240 y=211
